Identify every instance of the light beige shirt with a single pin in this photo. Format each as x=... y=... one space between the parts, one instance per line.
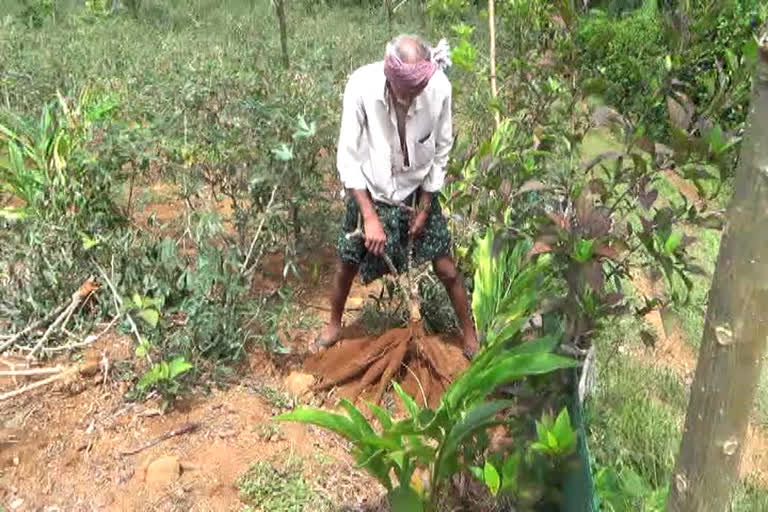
x=369 y=154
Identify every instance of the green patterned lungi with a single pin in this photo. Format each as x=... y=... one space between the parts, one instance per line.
x=433 y=243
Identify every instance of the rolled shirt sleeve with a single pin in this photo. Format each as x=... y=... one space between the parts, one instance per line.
x=443 y=144
x=351 y=140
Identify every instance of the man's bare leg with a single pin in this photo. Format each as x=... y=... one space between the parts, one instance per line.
x=446 y=270
x=342 y=282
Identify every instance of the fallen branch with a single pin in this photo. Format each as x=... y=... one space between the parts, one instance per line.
x=90 y=339
x=85 y=289
x=84 y=369
x=11 y=340
x=184 y=429
x=32 y=372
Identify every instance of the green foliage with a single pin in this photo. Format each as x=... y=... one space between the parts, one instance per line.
x=506 y=287
x=434 y=438
x=50 y=168
x=521 y=473
x=280 y=487
x=556 y=437
x=628 y=54
x=164 y=377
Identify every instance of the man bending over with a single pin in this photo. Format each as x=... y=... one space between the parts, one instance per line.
x=396 y=134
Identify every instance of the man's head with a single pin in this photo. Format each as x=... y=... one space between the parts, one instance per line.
x=408 y=66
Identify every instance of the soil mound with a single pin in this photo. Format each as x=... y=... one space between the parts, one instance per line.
x=363 y=368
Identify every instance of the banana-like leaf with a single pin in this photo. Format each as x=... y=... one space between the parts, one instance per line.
x=409 y=403
x=337 y=423
x=357 y=417
x=384 y=417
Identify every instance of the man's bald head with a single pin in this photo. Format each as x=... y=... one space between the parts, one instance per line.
x=410 y=49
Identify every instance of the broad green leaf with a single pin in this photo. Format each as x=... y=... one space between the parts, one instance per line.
x=389 y=443
x=552 y=440
x=150 y=316
x=513 y=367
x=477 y=472
x=544 y=344
x=409 y=403
x=398 y=457
x=583 y=250
x=563 y=431
x=384 y=418
x=480 y=417
x=492 y=479
x=509 y=472
x=304 y=130
x=357 y=417
x=405 y=499
x=137 y=301
x=143 y=349
x=332 y=421
x=673 y=242
x=178 y=366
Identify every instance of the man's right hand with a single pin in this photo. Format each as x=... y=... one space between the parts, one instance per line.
x=375 y=237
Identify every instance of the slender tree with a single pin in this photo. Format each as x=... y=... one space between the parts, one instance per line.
x=492 y=52
x=280 y=9
x=734 y=340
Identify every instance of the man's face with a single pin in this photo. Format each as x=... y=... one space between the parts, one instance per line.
x=403 y=96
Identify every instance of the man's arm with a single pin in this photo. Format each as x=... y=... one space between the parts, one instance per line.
x=348 y=161
x=349 y=165
x=443 y=144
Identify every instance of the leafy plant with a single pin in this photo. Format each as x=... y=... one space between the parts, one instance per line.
x=513 y=474
x=164 y=377
x=556 y=436
x=433 y=439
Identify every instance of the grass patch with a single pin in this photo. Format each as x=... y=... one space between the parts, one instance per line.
x=276 y=398
x=635 y=418
x=280 y=488
x=749 y=497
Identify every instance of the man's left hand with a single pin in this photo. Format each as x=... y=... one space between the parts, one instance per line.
x=418 y=222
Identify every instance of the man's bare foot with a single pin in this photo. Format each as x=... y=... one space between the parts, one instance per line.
x=327 y=337
x=470 y=345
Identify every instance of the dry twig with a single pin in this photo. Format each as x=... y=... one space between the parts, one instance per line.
x=184 y=429
x=85 y=290
x=84 y=369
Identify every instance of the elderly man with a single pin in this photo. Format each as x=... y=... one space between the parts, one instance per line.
x=396 y=134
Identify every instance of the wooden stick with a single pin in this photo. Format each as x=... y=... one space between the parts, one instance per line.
x=184 y=429
x=90 y=339
x=32 y=371
x=35 y=385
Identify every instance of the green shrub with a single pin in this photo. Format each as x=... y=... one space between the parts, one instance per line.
x=627 y=53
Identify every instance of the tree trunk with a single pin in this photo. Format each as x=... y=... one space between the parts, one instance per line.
x=389 y=6
x=734 y=339
x=492 y=31
x=280 y=7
